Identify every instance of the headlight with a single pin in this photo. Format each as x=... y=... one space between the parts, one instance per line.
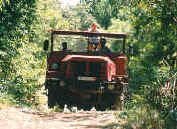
x=54 y=66
x=110 y=87
x=62 y=83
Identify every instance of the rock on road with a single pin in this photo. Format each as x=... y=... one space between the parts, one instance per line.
x=18 y=118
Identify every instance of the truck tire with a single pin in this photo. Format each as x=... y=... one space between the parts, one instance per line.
x=101 y=107
x=52 y=100
x=120 y=98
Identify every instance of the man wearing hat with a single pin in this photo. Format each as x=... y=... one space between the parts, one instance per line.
x=93 y=40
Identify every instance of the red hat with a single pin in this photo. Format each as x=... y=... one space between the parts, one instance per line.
x=94 y=24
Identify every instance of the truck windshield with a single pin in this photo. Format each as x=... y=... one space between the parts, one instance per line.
x=80 y=43
x=74 y=43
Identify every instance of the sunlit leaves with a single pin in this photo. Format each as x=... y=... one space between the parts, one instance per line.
x=103 y=11
x=16 y=16
x=2 y=3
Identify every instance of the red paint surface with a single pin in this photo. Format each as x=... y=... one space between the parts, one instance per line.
x=116 y=64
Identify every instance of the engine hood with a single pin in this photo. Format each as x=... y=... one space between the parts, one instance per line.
x=110 y=66
x=86 y=58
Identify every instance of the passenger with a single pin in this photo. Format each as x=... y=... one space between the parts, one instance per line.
x=93 y=40
x=104 y=48
x=64 y=46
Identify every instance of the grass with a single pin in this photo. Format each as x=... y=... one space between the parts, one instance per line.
x=6 y=100
x=140 y=117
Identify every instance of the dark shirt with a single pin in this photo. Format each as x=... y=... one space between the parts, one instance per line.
x=105 y=50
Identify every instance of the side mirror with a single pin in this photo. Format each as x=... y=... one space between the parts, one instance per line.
x=46 y=45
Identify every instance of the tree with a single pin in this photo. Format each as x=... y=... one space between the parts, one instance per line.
x=155 y=25
x=16 y=16
x=78 y=17
x=102 y=11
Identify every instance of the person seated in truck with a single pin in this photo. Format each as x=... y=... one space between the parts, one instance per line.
x=103 y=47
x=93 y=41
x=64 y=46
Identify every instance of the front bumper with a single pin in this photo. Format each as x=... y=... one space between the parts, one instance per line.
x=98 y=87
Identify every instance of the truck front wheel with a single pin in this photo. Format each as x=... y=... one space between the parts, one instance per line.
x=52 y=100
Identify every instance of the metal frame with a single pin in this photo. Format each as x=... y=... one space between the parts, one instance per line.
x=87 y=34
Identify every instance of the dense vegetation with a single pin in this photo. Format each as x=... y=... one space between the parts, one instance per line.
x=152 y=29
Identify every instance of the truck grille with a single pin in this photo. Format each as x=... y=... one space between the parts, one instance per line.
x=95 y=69
x=78 y=68
x=92 y=69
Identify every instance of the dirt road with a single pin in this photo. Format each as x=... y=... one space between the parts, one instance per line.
x=17 y=118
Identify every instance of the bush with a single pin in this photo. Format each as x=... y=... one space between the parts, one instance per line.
x=141 y=117
x=153 y=90
x=6 y=100
x=23 y=93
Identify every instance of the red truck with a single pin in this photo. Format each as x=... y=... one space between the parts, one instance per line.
x=85 y=78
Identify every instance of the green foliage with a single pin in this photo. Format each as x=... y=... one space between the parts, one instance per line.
x=105 y=10
x=78 y=17
x=15 y=30
x=156 y=87
x=6 y=100
x=102 y=11
x=2 y=3
x=154 y=36
x=141 y=117
x=15 y=24
x=57 y=109
x=155 y=29
x=119 y=26
x=161 y=91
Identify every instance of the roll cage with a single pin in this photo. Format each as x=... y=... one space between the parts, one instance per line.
x=87 y=34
